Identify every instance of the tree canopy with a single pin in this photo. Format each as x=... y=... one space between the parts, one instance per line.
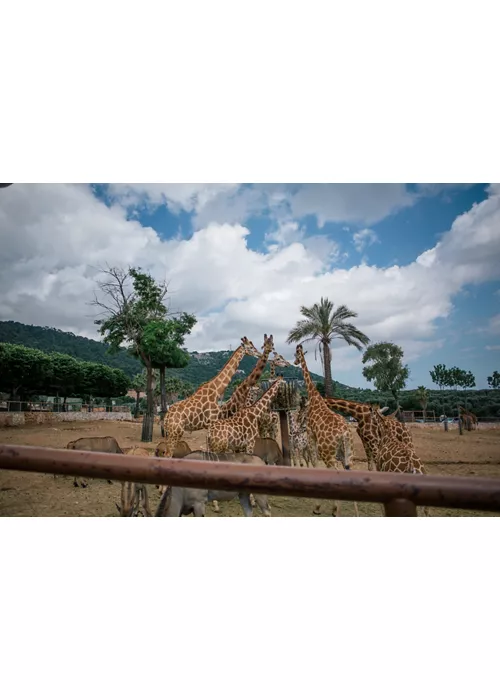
x=494 y=380
x=26 y=372
x=385 y=367
x=136 y=315
x=324 y=323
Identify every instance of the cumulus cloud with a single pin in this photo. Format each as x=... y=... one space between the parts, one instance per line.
x=54 y=239
x=364 y=238
x=350 y=202
x=234 y=203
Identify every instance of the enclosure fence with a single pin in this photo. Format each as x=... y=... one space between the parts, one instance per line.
x=55 y=407
x=399 y=493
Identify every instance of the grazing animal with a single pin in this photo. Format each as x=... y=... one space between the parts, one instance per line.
x=367 y=428
x=470 y=419
x=94 y=444
x=201 y=408
x=134 y=497
x=269 y=451
x=269 y=422
x=330 y=431
x=182 y=449
x=177 y=501
x=302 y=447
x=238 y=433
x=392 y=455
x=240 y=394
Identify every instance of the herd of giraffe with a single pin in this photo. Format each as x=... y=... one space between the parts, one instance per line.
x=316 y=430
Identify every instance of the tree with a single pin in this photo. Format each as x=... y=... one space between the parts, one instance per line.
x=320 y=386
x=440 y=375
x=133 y=299
x=423 y=399
x=23 y=371
x=65 y=375
x=386 y=369
x=176 y=388
x=323 y=323
x=494 y=380
x=162 y=342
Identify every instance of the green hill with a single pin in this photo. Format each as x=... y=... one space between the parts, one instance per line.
x=201 y=368
x=204 y=366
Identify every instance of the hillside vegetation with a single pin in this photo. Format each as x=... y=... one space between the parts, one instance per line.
x=201 y=367
x=204 y=366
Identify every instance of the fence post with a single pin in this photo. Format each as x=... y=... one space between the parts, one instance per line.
x=285 y=440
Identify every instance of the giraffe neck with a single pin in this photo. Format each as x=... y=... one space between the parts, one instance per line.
x=351 y=407
x=221 y=381
x=242 y=392
x=311 y=388
x=256 y=373
x=272 y=372
x=264 y=403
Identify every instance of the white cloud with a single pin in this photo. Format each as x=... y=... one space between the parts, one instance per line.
x=233 y=203
x=54 y=237
x=364 y=238
x=356 y=203
x=188 y=197
x=492 y=347
x=494 y=324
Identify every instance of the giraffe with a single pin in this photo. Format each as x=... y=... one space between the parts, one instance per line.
x=469 y=417
x=392 y=455
x=239 y=432
x=269 y=422
x=302 y=447
x=201 y=408
x=366 y=428
x=329 y=430
x=240 y=394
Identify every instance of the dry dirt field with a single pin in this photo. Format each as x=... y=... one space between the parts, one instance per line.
x=25 y=494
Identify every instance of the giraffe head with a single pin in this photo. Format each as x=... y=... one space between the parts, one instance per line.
x=378 y=421
x=279 y=361
x=249 y=347
x=299 y=354
x=268 y=343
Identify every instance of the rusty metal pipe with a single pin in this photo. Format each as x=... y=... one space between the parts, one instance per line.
x=400 y=507
x=452 y=492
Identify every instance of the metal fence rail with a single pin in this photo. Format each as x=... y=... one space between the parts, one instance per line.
x=400 y=493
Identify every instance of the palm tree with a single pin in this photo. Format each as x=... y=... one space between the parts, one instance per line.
x=324 y=323
x=423 y=398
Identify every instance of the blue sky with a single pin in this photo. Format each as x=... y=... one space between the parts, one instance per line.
x=419 y=263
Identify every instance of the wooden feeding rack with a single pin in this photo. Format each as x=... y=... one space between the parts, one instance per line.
x=287 y=399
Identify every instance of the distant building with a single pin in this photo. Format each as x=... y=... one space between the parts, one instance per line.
x=133 y=394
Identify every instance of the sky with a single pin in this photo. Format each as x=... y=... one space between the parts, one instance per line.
x=418 y=263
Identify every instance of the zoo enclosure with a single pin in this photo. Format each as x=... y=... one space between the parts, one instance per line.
x=59 y=407
x=399 y=493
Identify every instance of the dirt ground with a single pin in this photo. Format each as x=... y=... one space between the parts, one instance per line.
x=475 y=453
